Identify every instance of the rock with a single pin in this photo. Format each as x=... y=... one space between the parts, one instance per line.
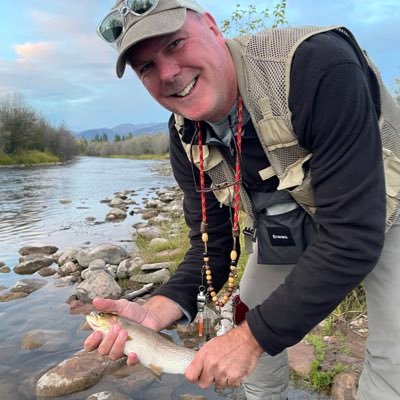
x=75 y=374
x=300 y=358
x=65 y=201
x=158 y=242
x=24 y=251
x=192 y=397
x=2 y=287
x=65 y=281
x=2 y=264
x=56 y=256
x=165 y=254
x=156 y=266
x=28 y=286
x=70 y=255
x=36 y=338
x=147 y=214
x=159 y=220
x=4 y=269
x=129 y=267
x=116 y=213
x=167 y=197
x=160 y=276
x=47 y=271
x=110 y=253
x=148 y=232
x=32 y=266
x=68 y=268
x=12 y=296
x=109 y=396
x=153 y=204
x=97 y=265
x=99 y=285
x=117 y=202
x=344 y=387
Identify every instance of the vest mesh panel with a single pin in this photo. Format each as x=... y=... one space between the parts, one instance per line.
x=266 y=58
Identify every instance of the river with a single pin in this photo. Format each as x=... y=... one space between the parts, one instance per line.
x=56 y=205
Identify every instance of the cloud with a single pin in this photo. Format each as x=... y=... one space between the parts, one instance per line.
x=34 y=52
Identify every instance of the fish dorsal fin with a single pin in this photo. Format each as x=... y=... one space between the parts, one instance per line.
x=156 y=370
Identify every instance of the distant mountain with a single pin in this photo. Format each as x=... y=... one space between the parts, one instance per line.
x=124 y=129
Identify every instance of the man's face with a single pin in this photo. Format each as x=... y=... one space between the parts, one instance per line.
x=189 y=72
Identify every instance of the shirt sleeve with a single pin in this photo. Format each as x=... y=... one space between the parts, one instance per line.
x=333 y=113
x=183 y=286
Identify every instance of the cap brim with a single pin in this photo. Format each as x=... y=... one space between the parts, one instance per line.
x=159 y=24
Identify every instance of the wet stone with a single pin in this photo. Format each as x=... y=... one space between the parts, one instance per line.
x=38 y=250
x=75 y=374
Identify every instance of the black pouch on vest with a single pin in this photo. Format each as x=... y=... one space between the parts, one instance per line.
x=284 y=229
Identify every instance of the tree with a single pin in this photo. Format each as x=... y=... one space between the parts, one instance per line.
x=249 y=20
x=16 y=123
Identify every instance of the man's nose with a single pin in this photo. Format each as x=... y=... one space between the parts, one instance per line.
x=168 y=71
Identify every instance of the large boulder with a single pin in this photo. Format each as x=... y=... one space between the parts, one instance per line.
x=101 y=284
x=110 y=253
x=79 y=372
x=32 y=266
x=24 y=251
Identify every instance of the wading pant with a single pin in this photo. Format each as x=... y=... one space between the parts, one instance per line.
x=380 y=379
x=381 y=376
x=270 y=379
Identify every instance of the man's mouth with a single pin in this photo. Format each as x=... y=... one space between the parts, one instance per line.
x=187 y=89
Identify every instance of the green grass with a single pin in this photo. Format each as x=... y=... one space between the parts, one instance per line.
x=320 y=379
x=181 y=242
x=29 y=157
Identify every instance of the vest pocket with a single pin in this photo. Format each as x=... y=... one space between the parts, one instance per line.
x=283 y=238
x=283 y=228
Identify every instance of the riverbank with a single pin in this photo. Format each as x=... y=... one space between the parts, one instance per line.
x=160 y=237
x=27 y=158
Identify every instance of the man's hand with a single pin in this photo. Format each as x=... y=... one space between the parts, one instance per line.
x=156 y=314
x=225 y=360
x=113 y=343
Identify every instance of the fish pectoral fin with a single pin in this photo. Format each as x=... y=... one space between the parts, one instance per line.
x=156 y=370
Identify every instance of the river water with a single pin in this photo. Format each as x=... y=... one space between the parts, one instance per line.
x=56 y=205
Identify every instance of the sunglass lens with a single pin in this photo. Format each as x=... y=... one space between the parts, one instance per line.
x=140 y=7
x=111 y=27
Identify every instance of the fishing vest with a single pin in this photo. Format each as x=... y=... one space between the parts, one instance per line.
x=263 y=65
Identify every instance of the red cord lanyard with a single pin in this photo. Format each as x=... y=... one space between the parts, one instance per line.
x=220 y=302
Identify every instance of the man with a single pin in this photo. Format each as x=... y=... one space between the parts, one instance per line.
x=298 y=119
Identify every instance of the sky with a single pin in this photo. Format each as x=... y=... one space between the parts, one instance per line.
x=51 y=55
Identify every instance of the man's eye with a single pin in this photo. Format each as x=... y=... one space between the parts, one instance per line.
x=144 y=68
x=175 y=44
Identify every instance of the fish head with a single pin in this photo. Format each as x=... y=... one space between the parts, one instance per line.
x=100 y=321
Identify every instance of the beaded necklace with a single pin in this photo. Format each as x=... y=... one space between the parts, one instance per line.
x=201 y=298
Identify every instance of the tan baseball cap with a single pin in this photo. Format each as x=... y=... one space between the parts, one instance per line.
x=166 y=17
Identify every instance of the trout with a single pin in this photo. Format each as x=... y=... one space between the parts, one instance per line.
x=153 y=350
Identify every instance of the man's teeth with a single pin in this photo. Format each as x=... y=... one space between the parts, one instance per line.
x=187 y=89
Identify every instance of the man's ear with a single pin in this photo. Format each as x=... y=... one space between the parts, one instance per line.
x=212 y=24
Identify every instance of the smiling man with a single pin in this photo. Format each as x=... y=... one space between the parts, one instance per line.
x=294 y=126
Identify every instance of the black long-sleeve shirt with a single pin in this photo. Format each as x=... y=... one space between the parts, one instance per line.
x=334 y=100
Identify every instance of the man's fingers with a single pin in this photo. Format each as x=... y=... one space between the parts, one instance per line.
x=108 y=341
x=132 y=359
x=117 y=350
x=92 y=342
x=108 y=305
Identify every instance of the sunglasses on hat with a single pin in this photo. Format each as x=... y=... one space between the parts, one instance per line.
x=112 y=26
